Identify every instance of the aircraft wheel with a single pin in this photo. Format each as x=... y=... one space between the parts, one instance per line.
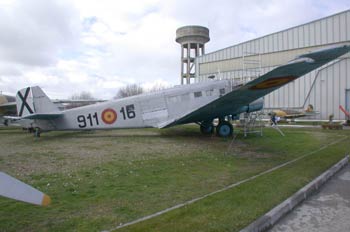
x=224 y=129
x=207 y=129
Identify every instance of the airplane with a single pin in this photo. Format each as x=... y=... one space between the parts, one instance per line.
x=285 y=114
x=7 y=107
x=12 y=188
x=6 y=102
x=198 y=103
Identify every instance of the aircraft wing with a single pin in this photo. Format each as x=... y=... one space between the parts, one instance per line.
x=12 y=188
x=8 y=105
x=292 y=116
x=243 y=95
x=300 y=115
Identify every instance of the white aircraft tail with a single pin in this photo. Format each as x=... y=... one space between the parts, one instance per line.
x=32 y=101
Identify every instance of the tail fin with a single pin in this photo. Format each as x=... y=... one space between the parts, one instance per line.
x=32 y=101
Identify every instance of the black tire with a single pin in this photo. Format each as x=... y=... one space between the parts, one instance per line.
x=224 y=129
x=207 y=129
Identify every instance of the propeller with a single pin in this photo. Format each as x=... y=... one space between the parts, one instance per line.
x=12 y=188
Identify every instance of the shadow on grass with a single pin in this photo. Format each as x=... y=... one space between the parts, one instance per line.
x=126 y=133
x=186 y=132
x=12 y=130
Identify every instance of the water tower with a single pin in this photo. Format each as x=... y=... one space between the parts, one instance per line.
x=192 y=40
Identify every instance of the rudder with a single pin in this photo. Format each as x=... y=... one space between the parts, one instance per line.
x=32 y=100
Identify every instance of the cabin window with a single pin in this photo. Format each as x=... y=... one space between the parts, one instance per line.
x=222 y=91
x=197 y=94
x=209 y=92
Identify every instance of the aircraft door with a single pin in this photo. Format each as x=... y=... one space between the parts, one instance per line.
x=154 y=110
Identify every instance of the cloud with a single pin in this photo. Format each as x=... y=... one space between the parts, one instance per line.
x=34 y=32
x=68 y=47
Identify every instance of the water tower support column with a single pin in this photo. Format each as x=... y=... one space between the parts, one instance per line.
x=191 y=37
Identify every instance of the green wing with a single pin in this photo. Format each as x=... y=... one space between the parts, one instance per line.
x=235 y=100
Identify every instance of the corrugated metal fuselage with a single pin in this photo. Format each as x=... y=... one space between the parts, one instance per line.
x=146 y=110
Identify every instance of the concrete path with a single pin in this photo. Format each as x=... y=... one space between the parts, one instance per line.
x=327 y=210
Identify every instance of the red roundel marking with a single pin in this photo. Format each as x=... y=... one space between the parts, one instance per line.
x=270 y=83
x=109 y=116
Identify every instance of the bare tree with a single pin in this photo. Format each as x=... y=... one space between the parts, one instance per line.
x=129 y=90
x=157 y=87
x=82 y=96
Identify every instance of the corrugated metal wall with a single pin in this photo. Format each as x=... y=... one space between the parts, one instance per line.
x=324 y=88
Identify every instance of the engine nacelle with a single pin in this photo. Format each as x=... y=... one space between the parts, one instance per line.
x=254 y=106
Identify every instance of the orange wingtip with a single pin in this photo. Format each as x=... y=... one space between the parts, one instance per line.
x=46 y=200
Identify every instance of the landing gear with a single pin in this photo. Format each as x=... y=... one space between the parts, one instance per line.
x=224 y=129
x=207 y=128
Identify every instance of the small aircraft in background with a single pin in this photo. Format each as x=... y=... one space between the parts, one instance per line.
x=199 y=103
x=7 y=107
x=285 y=114
x=12 y=188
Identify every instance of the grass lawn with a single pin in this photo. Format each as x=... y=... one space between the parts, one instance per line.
x=99 y=180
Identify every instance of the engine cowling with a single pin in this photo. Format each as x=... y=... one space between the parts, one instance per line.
x=254 y=106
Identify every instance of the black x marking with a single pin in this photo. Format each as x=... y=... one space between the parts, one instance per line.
x=24 y=102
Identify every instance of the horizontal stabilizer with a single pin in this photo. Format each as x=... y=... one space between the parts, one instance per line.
x=35 y=116
x=12 y=188
x=43 y=116
x=12 y=117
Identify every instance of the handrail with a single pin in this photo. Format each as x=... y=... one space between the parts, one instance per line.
x=344 y=111
x=316 y=76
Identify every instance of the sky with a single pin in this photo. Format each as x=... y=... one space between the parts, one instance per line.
x=70 y=46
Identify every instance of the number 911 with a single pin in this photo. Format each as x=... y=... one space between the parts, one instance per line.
x=90 y=119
